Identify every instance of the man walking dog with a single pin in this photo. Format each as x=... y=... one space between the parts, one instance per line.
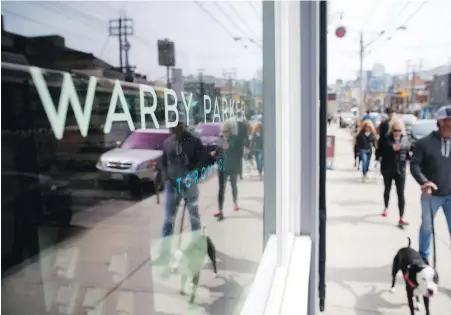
x=183 y=154
x=431 y=168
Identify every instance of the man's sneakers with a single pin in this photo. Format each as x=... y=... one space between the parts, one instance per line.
x=236 y=208
x=384 y=213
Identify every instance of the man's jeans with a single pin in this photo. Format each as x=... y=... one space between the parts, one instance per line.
x=428 y=204
x=171 y=203
x=365 y=157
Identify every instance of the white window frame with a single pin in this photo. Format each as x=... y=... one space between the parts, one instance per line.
x=286 y=280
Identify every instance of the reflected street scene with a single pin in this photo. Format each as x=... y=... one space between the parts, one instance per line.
x=132 y=156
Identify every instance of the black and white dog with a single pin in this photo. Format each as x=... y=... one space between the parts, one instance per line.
x=189 y=262
x=421 y=279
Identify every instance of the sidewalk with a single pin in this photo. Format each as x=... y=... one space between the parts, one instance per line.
x=104 y=267
x=361 y=243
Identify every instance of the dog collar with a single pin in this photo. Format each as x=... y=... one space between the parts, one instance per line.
x=409 y=282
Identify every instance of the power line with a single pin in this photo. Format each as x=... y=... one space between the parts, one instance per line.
x=255 y=10
x=406 y=21
x=369 y=15
x=415 y=12
x=229 y=18
x=240 y=18
x=75 y=13
x=385 y=29
x=46 y=24
x=215 y=19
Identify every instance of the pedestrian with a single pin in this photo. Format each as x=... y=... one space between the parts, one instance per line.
x=431 y=168
x=367 y=116
x=383 y=127
x=355 y=131
x=243 y=138
x=257 y=146
x=231 y=156
x=183 y=154
x=393 y=165
x=366 y=140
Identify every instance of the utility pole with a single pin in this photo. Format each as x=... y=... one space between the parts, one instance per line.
x=405 y=86
x=361 y=55
x=122 y=28
x=412 y=89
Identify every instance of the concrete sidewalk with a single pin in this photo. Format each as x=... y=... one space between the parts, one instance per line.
x=104 y=267
x=361 y=243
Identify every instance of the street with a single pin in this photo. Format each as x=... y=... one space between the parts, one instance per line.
x=361 y=243
x=102 y=265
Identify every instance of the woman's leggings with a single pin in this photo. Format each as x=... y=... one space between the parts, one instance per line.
x=222 y=178
x=400 y=182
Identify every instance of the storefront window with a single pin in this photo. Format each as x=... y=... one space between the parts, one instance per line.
x=133 y=156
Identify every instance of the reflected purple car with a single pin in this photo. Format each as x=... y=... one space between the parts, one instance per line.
x=210 y=135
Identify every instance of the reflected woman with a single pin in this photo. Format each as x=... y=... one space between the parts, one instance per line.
x=257 y=146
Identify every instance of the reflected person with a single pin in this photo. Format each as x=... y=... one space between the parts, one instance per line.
x=231 y=155
x=183 y=154
x=257 y=146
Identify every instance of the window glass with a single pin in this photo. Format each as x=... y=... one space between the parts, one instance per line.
x=132 y=148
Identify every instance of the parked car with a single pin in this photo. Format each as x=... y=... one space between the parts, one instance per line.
x=134 y=162
x=210 y=135
x=409 y=120
x=346 y=119
x=422 y=128
x=28 y=202
x=52 y=197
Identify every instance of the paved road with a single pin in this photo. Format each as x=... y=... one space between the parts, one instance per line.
x=362 y=243
x=102 y=265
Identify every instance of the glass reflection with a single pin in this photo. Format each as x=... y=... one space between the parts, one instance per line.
x=115 y=173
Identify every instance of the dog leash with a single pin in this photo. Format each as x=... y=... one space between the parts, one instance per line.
x=179 y=243
x=433 y=233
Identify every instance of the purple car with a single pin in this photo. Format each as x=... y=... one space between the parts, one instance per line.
x=210 y=135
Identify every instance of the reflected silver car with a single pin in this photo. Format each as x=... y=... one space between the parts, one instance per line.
x=135 y=161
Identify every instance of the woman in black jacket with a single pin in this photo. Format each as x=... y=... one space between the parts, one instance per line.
x=395 y=154
x=365 y=141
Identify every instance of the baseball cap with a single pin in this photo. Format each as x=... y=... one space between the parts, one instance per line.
x=172 y=116
x=444 y=112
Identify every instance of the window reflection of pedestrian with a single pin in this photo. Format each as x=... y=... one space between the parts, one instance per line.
x=183 y=154
x=395 y=154
x=257 y=146
x=243 y=138
x=366 y=140
x=231 y=155
x=431 y=168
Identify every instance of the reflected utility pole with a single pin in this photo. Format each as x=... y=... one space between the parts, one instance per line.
x=122 y=28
